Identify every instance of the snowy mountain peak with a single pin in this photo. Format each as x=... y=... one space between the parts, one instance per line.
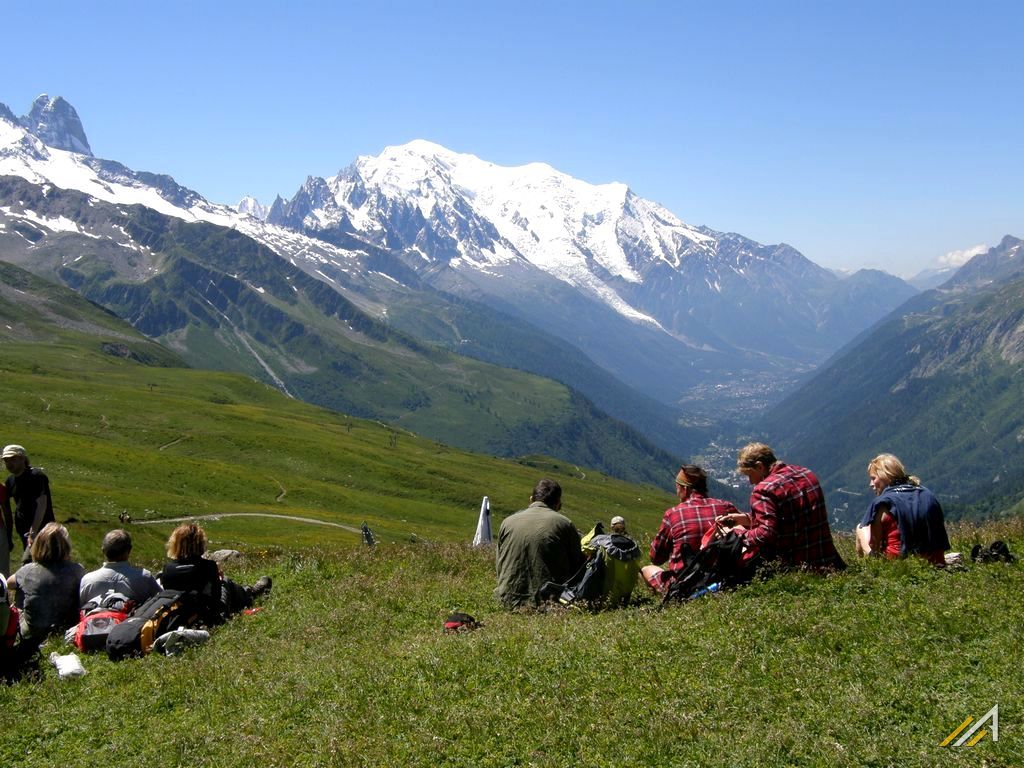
x=473 y=226
x=479 y=213
x=250 y=206
x=421 y=147
x=56 y=123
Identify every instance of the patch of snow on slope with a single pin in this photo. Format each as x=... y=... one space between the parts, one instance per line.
x=59 y=224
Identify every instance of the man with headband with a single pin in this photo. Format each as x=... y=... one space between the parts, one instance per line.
x=683 y=526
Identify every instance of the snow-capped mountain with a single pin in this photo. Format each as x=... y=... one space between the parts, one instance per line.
x=675 y=311
x=467 y=214
x=25 y=151
x=232 y=296
x=564 y=252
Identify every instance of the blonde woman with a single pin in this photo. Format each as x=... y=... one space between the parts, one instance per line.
x=187 y=570
x=904 y=518
x=46 y=590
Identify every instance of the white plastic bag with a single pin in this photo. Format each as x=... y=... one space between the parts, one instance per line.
x=68 y=665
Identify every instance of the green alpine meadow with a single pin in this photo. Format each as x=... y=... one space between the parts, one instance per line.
x=346 y=662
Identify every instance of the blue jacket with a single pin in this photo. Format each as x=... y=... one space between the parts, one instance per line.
x=918 y=515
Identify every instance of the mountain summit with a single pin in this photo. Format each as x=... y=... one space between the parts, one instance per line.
x=648 y=296
x=54 y=122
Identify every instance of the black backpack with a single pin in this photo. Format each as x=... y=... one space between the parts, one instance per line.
x=588 y=583
x=718 y=564
x=583 y=586
x=164 y=612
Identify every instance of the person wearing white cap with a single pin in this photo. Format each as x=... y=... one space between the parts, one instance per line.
x=619 y=524
x=29 y=489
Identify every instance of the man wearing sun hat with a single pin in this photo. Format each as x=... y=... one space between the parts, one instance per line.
x=29 y=489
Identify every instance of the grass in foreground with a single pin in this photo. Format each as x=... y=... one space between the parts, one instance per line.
x=347 y=665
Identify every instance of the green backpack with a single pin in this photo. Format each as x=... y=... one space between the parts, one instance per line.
x=619 y=559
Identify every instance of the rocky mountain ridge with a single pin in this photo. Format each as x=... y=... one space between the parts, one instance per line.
x=55 y=122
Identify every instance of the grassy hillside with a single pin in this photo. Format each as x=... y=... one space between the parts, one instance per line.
x=347 y=665
x=485 y=333
x=939 y=384
x=163 y=441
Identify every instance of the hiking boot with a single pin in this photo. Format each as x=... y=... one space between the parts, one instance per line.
x=262 y=586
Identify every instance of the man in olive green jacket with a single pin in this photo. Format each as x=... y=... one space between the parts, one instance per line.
x=535 y=546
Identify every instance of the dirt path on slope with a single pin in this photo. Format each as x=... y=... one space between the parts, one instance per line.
x=165 y=446
x=310 y=520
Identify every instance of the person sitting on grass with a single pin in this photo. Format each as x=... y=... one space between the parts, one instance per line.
x=46 y=590
x=117 y=575
x=188 y=571
x=536 y=546
x=620 y=557
x=683 y=526
x=904 y=518
x=788 y=520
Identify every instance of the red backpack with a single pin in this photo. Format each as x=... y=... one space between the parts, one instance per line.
x=98 y=618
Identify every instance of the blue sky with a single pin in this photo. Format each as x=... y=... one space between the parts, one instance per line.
x=863 y=134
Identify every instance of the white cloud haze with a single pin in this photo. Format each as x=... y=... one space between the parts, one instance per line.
x=959 y=258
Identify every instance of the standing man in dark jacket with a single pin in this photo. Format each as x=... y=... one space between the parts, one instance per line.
x=29 y=489
x=536 y=545
x=788 y=519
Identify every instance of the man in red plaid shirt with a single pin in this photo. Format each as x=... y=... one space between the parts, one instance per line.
x=683 y=526
x=788 y=521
